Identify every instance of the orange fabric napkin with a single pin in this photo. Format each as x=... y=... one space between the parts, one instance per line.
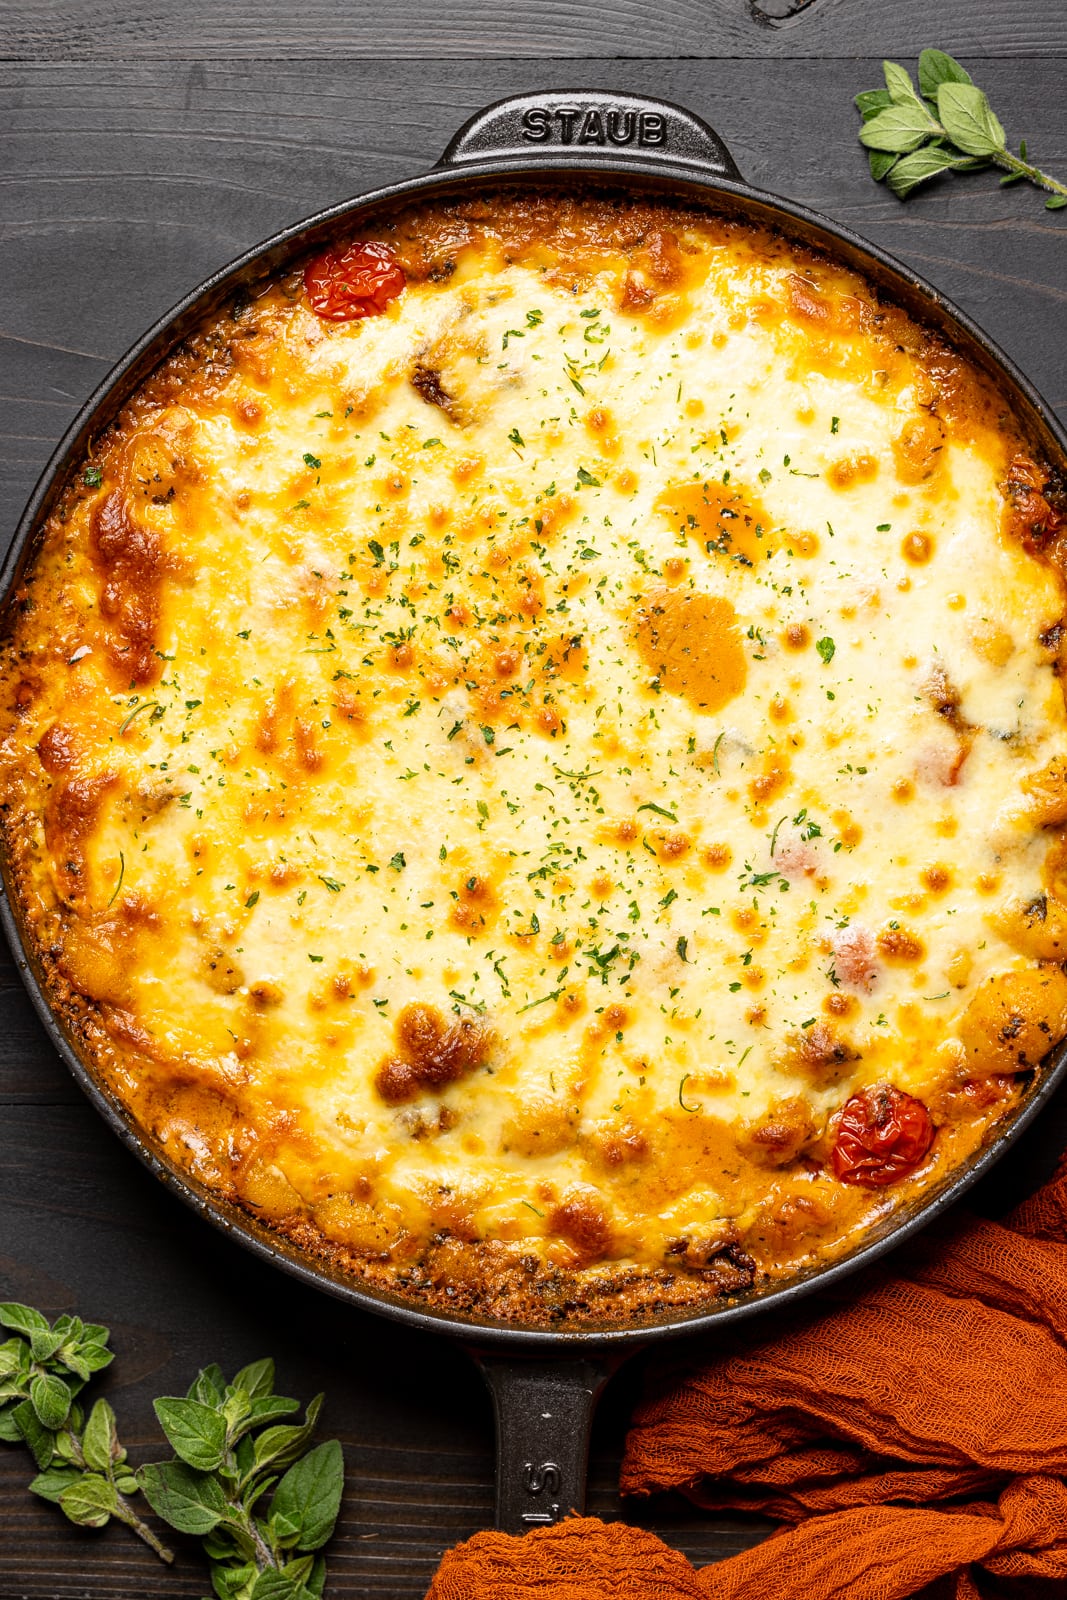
x=910 y=1427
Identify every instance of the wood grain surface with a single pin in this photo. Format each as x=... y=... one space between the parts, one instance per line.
x=143 y=147
x=579 y=29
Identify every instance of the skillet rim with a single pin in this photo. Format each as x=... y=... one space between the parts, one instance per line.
x=675 y=179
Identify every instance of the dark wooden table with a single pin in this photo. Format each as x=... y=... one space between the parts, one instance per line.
x=144 y=146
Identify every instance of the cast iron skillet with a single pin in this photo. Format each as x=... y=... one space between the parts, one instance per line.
x=544 y=1383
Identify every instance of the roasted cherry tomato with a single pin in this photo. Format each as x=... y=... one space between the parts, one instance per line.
x=358 y=282
x=882 y=1135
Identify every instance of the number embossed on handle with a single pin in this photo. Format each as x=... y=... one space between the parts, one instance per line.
x=544 y=1478
x=541 y=1478
x=543 y=1412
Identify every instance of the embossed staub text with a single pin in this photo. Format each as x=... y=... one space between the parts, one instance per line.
x=593 y=126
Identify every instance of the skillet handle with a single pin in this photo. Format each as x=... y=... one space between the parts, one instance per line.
x=563 y=127
x=544 y=1415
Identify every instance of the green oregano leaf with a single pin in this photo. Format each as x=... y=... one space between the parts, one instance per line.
x=100 y=1439
x=39 y=1440
x=898 y=128
x=232 y=1583
x=11 y=1357
x=196 y=1431
x=917 y=167
x=208 y=1386
x=316 y=1582
x=225 y=1544
x=51 y=1400
x=55 y=1482
x=23 y=1319
x=306 y=1502
x=969 y=120
x=44 y=1343
x=936 y=68
x=256 y=1379
x=90 y=1501
x=192 y=1502
x=90 y=1358
x=882 y=163
x=300 y=1568
x=73 y=1362
x=871 y=101
x=278 y=1586
x=9 y=1428
x=234 y=1411
x=269 y=1407
x=279 y=1447
x=898 y=84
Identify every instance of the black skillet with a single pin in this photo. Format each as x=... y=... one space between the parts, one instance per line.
x=544 y=1383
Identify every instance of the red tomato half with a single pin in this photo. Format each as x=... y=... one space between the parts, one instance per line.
x=882 y=1135
x=358 y=282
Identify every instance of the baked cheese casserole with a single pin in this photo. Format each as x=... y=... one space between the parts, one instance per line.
x=533 y=759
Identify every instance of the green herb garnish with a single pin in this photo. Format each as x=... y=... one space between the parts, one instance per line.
x=650 y=805
x=681 y=1090
x=81 y=1466
x=156 y=709
x=947 y=125
x=231 y=1451
x=118 y=886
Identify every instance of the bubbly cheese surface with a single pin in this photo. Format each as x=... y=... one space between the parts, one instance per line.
x=496 y=777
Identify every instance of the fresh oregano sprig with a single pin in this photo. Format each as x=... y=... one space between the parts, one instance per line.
x=81 y=1465
x=232 y=1451
x=947 y=125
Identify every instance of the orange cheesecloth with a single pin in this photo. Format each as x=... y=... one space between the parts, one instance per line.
x=908 y=1429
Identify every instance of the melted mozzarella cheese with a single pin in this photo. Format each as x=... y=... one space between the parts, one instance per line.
x=618 y=683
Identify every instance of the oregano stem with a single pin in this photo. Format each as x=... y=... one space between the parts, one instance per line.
x=125 y=1513
x=1023 y=169
x=266 y=1560
x=123 y=1509
x=264 y=1556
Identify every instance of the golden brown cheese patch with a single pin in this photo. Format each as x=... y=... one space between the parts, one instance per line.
x=722 y=517
x=692 y=645
x=489 y=783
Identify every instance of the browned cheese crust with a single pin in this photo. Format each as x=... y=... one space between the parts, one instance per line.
x=489 y=783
